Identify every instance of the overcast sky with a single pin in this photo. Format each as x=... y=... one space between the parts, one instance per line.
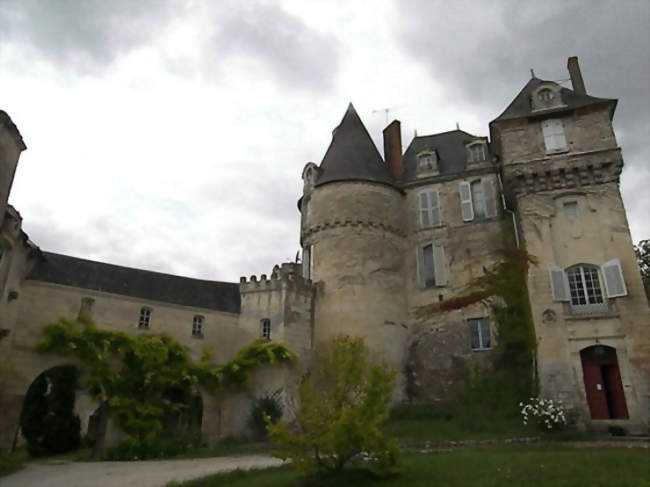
x=170 y=135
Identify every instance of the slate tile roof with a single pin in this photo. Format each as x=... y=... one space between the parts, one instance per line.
x=137 y=283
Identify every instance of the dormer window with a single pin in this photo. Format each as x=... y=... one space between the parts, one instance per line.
x=477 y=152
x=545 y=95
x=427 y=163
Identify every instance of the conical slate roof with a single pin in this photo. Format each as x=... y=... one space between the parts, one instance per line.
x=352 y=155
x=521 y=107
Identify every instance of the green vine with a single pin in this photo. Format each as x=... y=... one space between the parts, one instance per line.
x=132 y=375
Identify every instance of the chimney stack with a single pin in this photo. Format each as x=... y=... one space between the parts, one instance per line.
x=576 y=77
x=393 y=148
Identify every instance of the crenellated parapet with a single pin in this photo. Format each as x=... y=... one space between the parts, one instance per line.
x=285 y=277
x=572 y=171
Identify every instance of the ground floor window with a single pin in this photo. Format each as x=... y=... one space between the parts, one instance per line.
x=265 y=329
x=479 y=333
x=145 y=318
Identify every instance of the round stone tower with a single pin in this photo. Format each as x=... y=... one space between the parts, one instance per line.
x=353 y=243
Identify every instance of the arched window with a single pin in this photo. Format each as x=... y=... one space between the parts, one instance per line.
x=585 y=289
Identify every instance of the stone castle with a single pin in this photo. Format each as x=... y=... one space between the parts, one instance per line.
x=380 y=238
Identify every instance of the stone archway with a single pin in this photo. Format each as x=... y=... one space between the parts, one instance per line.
x=49 y=422
x=603 y=386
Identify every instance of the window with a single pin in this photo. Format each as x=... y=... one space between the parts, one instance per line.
x=585 y=286
x=427 y=163
x=545 y=95
x=145 y=318
x=308 y=262
x=431 y=265
x=477 y=200
x=265 y=328
x=554 y=138
x=197 y=326
x=479 y=333
x=571 y=210
x=429 y=204
x=86 y=307
x=477 y=152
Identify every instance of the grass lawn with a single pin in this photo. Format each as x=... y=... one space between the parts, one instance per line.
x=549 y=465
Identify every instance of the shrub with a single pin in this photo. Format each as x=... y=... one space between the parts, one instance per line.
x=544 y=413
x=343 y=406
x=266 y=409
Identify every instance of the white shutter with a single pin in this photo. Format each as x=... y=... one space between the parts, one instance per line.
x=466 y=207
x=434 y=201
x=554 y=138
x=424 y=209
x=439 y=265
x=559 y=283
x=490 y=199
x=614 y=282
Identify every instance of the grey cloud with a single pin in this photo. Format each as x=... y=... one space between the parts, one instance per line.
x=482 y=52
x=84 y=36
x=297 y=56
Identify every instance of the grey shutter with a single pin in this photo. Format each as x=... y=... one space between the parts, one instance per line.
x=466 y=208
x=490 y=199
x=424 y=209
x=434 y=201
x=439 y=265
x=559 y=283
x=419 y=263
x=614 y=282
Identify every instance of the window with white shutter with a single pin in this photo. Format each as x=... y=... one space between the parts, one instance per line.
x=466 y=207
x=614 y=282
x=429 y=202
x=431 y=265
x=559 y=283
x=554 y=137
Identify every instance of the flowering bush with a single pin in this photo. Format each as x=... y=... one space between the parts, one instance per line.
x=543 y=412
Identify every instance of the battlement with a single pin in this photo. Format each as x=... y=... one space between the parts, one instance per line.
x=287 y=275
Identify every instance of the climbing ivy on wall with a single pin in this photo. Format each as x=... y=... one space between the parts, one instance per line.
x=503 y=288
x=132 y=376
x=47 y=419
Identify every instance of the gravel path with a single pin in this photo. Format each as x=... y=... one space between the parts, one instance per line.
x=124 y=474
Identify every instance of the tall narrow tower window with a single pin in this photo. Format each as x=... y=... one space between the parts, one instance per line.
x=145 y=318
x=265 y=329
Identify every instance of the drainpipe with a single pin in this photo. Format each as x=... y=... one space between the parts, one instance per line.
x=506 y=209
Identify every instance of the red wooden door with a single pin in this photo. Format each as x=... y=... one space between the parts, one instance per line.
x=595 y=389
x=614 y=390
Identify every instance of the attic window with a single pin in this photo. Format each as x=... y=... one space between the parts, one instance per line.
x=477 y=152
x=545 y=96
x=427 y=163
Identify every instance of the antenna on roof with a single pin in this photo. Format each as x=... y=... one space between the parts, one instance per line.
x=415 y=132
x=386 y=110
x=457 y=126
x=532 y=73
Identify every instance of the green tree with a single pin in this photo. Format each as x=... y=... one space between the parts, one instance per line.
x=343 y=405
x=131 y=376
x=643 y=258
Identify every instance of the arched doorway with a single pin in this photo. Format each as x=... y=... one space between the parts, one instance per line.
x=48 y=421
x=603 y=384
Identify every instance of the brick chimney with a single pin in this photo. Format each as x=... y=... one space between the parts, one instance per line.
x=576 y=76
x=393 y=148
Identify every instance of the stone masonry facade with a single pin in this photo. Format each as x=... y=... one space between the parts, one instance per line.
x=381 y=237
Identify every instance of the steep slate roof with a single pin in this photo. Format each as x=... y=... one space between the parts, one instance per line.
x=450 y=147
x=5 y=120
x=137 y=283
x=352 y=155
x=521 y=107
